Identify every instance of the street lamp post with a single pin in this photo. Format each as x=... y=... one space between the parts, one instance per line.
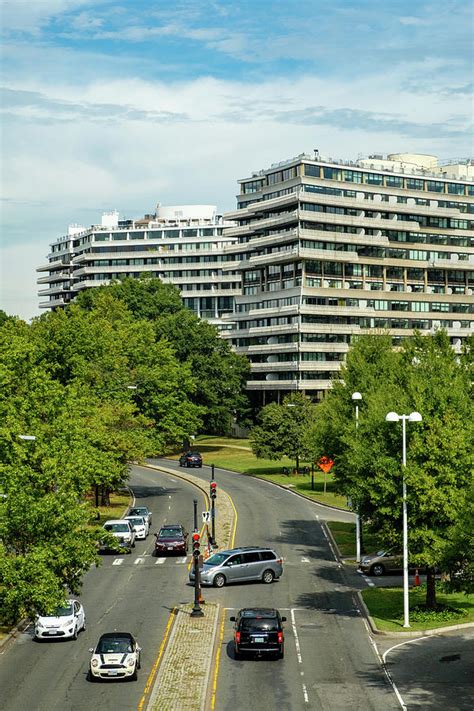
x=356 y=397
x=412 y=417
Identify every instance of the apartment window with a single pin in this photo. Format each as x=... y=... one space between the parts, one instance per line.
x=119 y=235
x=454 y=189
x=434 y=186
x=153 y=234
x=252 y=187
x=415 y=184
x=373 y=179
x=313 y=170
x=274 y=178
x=172 y=233
x=393 y=181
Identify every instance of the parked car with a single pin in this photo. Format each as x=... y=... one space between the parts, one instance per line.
x=65 y=622
x=259 y=631
x=172 y=538
x=141 y=511
x=385 y=561
x=139 y=525
x=123 y=531
x=239 y=565
x=190 y=459
x=116 y=656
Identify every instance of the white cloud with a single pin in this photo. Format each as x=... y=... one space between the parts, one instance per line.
x=31 y=15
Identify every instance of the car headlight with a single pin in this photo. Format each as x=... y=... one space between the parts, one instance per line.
x=130 y=662
x=94 y=663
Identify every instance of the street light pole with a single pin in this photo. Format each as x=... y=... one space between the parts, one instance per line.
x=356 y=397
x=412 y=417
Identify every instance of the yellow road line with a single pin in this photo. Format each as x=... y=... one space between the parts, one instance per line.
x=218 y=658
x=232 y=538
x=152 y=674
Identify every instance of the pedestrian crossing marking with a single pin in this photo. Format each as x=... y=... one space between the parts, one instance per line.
x=160 y=561
x=138 y=561
x=118 y=561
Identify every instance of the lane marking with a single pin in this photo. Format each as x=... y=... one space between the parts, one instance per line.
x=117 y=561
x=218 y=658
x=329 y=543
x=401 y=644
x=152 y=674
x=160 y=561
x=139 y=561
x=298 y=651
x=305 y=560
x=180 y=561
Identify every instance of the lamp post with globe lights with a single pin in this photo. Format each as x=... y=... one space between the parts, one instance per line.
x=412 y=417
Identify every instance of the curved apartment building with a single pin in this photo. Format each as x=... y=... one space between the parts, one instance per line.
x=183 y=245
x=328 y=250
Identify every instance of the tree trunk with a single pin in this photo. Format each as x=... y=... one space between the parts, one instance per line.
x=430 y=589
x=297 y=463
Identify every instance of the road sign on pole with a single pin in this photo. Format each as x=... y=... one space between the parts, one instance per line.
x=206 y=516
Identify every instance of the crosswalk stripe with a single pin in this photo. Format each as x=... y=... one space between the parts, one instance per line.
x=139 y=560
x=305 y=560
x=118 y=561
x=181 y=560
x=160 y=561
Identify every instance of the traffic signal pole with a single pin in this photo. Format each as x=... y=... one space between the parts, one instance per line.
x=196 y=611
x=213 y=495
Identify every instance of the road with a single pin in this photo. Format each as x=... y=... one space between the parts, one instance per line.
x=329 y=660
x=132 y=593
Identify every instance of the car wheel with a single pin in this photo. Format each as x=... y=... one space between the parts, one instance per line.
x=377 y=569
x=134 y=676
x=219 y=581
x=133 y=544
x=268 y=576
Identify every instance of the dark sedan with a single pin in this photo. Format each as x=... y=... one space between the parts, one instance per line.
x=190 y=459
x=172 y=538
x=259 y=631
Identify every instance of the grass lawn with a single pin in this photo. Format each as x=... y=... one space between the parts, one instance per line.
x=4 y=630
x=119 y=501
x=244 y=461
x=344 y=535
x=386 y=608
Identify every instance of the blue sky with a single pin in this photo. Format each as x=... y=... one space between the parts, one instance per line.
x=125 y=104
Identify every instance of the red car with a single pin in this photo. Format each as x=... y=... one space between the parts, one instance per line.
x=172 y=538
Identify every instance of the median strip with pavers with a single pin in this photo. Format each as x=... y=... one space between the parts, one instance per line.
x=184 y=672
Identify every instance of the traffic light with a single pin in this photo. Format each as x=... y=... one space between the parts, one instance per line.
x=213 y=489
x=196 y=541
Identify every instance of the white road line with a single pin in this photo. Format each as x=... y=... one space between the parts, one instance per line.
x=118 y=561
x=298 y=651
x=408 y=641
x=181 y=560
x=305 y=560
x=384 y=666
x=330 y=544
x=160 y=561
x=139 y=561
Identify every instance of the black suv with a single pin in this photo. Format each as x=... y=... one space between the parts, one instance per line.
x=259 y=630
x=190 y=459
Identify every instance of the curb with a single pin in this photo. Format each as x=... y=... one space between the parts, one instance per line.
x=383 y=633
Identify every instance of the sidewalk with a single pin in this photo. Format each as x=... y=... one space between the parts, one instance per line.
x=184 y=670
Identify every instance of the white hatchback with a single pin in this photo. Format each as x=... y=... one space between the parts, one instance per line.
x=139 y=525
x=123 y=531
x=65 y=622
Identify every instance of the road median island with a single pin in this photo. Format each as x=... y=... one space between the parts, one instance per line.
x=184 y=672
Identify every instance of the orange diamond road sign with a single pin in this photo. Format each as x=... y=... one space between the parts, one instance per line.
x=325 y=464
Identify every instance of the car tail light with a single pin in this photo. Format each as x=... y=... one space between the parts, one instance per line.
x=237 y=637
x=280 y=637
x=280 y=561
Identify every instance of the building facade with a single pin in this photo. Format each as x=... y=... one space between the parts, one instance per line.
x=328 y=250
x=183 y=245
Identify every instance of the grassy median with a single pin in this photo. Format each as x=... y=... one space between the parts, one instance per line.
x=237 y=455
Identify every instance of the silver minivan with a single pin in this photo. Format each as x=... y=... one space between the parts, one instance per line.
x=238 y=565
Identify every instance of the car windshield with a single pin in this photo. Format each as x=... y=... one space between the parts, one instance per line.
x=61 y=611
x=259 y=624
x=114 y=646
x=116 y=527
x=136 y=520
x=216 y=559
x=139 y=512
x=170 y=533
x=380 y=553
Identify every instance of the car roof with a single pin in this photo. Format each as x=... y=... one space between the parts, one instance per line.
x=247 y=548
x=133 y=516
x=116 y=635
x=116 y=520
x=258 y=612
x=135 y=508
x=172 y=525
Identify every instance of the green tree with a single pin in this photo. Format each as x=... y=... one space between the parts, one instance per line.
x=426 y=376
x=282 y=430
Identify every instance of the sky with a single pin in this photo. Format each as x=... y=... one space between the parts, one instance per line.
x=111 y=104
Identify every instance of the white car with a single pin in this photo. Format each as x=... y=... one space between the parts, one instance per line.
x=116 y=656
x=66 y=621
x=139 y=525
x=123 y=531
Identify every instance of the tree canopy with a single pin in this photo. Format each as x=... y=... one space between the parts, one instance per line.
x=424 y=375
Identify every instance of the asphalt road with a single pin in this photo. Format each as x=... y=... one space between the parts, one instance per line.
x=329 y=660
x=132 y=593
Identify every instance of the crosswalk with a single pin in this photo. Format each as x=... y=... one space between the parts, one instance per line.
x=148 y=560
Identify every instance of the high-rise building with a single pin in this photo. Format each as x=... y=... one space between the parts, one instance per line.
x=329 y=250
x=182 y=245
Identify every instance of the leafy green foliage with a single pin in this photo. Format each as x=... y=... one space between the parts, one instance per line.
x=282 y=429
x=426 y=376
